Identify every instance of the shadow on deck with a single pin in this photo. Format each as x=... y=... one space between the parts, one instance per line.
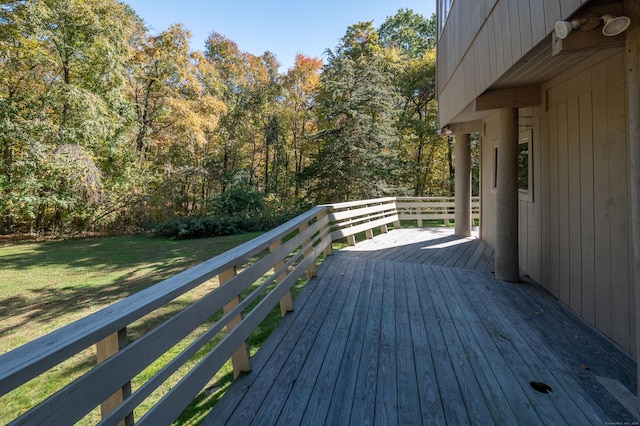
x=412 y=328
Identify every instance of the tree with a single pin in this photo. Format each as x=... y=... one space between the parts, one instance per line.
x=231 y=63
x=102 y=123
x=177 y=99
x=301 y=86
x=250 y=125
x=423 y=151
x=409 y=32
x=82 y=45
x=62 y=85
x=358 y=107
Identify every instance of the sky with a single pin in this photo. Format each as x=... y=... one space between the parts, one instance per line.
x=284 y=27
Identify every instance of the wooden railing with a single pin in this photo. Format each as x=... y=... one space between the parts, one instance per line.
x=349 y=219
x=283 y=256
x=432 y=208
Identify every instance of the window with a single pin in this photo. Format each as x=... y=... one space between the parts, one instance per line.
x=525 y=166
x=444 y=7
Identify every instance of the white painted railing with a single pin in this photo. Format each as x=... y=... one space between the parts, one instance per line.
x=284 y=255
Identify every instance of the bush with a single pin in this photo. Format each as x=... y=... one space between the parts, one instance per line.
x=208 y=226
x=213 y=226
x=239 y=209
x=239 y=199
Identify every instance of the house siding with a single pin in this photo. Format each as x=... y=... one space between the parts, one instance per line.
x=574 y=233
x=483 y=39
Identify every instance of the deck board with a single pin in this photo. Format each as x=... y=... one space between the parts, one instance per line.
x=343 y=393
x=407 y=386
x=363 y=405
x=520 y=346
x=411 y=327
x=431 y=406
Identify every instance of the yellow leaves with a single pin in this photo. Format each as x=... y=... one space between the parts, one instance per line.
x=190 y=121
x=305 y=75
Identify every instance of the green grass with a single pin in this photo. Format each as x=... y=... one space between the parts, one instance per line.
x=45 y=285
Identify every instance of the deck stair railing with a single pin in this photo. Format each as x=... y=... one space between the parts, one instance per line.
x=253 y=278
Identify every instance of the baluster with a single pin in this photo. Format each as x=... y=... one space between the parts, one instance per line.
x=286 y=303
x=105 y=349
x=311 y=272
x=240 y=359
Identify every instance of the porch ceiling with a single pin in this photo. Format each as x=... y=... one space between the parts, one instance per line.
x=540 y=65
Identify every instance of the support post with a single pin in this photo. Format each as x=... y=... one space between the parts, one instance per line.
x=463 y=185
x=105 y=349
x=286 y=303
x=506 y=223
x=632 y=62
x=240 y=359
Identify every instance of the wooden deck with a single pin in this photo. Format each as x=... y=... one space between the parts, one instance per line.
x=412 y=328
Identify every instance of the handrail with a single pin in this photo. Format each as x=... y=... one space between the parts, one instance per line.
x=432 y=208
x=292 y=251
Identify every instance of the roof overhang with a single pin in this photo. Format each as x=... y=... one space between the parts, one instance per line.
x=548 y=59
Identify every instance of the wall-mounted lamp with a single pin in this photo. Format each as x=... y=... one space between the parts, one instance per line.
x=613 y=25
x=447 y=131
x=564 y=28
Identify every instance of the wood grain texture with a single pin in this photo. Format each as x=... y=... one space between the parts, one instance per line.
x=575 y=235
x=379 y=341
x=26 y=362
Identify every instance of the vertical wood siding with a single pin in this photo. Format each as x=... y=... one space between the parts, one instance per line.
x=574 y=235
x=483 y=39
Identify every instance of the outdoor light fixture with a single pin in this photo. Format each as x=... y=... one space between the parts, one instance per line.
x=564 y=28
x=614 y=25
x=447 y=131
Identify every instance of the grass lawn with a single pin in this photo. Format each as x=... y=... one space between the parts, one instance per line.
x=45 y=285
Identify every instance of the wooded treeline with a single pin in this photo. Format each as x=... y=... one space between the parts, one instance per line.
x=106 y=126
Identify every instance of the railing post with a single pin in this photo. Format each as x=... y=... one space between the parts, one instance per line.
x=396 y=224
x=240 y=359
x=286 y=303
x=328 y=250
x=105 y=349
x=311 y=272
x=369 y=232
x=351 y=239
x=446 y=212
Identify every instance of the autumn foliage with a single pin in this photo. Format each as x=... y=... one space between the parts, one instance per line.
x=106 y=126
